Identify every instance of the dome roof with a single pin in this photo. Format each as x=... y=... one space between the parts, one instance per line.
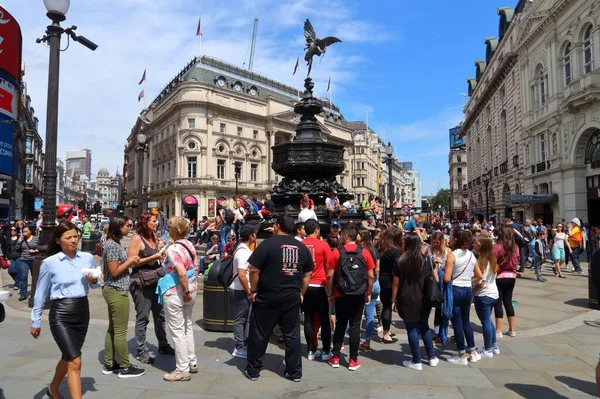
x=103 y=172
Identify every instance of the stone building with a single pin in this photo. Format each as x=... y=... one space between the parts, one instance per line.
x=458 y=177
x=109 y=189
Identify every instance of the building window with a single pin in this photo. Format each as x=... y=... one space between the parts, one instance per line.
x=342 y=180
x=358 y=182
x=504 y=133
x=239 y=131
x=255 y=134
x=221 y=169
x=28 y=173
x=459 y=172
x=543 y=149
x=542 y=89
x=458 y=158
x=191 y=164
x=29 y=145
x=254 y=172
x=357 y=165
x=157 y=173
x=192 y=123
x=502 y=94
x=588 y=51
x=222 y=128
x=568 y=64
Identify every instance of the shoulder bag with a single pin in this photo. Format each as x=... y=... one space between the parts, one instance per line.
x=432 y=294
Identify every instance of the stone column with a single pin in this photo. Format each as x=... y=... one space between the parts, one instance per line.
x=573 y=201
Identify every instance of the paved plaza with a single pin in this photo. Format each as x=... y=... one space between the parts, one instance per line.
x=553 y=356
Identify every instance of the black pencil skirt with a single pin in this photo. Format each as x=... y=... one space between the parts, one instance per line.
x=69 y=320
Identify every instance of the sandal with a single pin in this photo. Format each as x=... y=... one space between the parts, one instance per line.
x=389 y=341
x=561 y=276
x=554 y=270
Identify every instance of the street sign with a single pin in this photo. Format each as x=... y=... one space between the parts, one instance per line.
x=152 y=204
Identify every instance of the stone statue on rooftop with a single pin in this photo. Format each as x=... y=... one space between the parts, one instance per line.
x=314 y=45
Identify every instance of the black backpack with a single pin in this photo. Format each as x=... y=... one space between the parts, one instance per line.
x=226 y=276
x=229 y=216
x=352 y=272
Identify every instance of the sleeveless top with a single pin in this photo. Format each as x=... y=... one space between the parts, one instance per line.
x=462 y=272
x=144 y=253
x=559 y=240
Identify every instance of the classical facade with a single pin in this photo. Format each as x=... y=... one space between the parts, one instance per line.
x=457 y=170
x=365 y=162
x=492 y=126
x=109 y=189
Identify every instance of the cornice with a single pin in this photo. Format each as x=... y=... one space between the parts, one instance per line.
x=554 y=11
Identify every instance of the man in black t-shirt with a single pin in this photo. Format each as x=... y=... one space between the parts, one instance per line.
x=280 y=270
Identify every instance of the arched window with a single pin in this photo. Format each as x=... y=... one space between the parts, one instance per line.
x=541 y=87
x=588 y=51
x=592 y=151
x=568 y=64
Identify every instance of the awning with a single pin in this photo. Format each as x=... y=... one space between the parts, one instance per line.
x=531 y=198
x=189 y=200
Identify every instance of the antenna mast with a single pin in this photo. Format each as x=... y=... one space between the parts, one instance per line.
x=253 y=47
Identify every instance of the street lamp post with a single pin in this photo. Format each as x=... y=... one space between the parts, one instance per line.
x=486 y=181
x=389 y=151
x=141 y=148
x=238 y=172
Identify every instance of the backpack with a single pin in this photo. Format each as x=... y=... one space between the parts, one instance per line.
x=254 y=208
x=352 y=272
x=229 y=217
x=226 y=276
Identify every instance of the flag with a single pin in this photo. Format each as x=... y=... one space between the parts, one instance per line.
x=329 y=85
x=199 y=30
x=141 y=95
x=143 y=77
x=296 y=67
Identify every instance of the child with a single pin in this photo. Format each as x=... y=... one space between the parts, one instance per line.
x=539 y=256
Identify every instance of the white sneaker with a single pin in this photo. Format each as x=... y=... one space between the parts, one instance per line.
x=434 y=362
x=496 y=350
x=411 y=365
x=510 y=333
x=459 y=360
x=326 y=356
x=487 y=354
x=499 y=335
x=314 y=355
x=240 y=354
x=475 y=357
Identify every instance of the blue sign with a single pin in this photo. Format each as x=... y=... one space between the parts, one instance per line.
x=455 y=140
x=37 y=204
x=8 y=114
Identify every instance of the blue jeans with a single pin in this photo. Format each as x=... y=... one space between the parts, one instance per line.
x=463 y=296
x=224 y=234
x=483 y=307
x=414 y=329
x=24 y=266
x=370 y=311
x=13 y=270
x=575 y=258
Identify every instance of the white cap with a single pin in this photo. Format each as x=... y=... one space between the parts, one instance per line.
x=576 y=221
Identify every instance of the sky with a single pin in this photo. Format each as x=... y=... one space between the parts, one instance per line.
x=405 y=63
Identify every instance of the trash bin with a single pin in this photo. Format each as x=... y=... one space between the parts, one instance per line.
x=89 y=244
x=218 y=311
x=594 y=280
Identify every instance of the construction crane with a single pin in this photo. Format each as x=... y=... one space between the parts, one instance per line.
x=253 y=45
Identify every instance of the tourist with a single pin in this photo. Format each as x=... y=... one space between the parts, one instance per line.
x=211 y=252
x=299 y=229
x=61 y=278
x=87 y=227
x=239 y=216
x=144 y=278
x=559 y=240
x=439 y=253
x=365 y=241
x=280 y=271
x=228 y=217
x=486 y=295
x=335 y=229
x=315 y=302
x=177 y=291
x=390 y=249
x=14 y=255
x=116 y=266
x=268 y=207
x=350 y=273
x=576 y=244
x=26 y=246
x=311 y=203
x=333 y=207
x=460 y=268
x=366 y=206
x=507 y=255
x=369 y=223
x=408 y=295
x=539 y=251
x=306 y=212
x=239 y=290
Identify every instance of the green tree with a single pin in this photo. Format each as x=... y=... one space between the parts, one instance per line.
x=441 y=198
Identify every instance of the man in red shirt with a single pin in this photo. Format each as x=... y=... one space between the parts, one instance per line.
x=311 y=203
x=315 y=299
x=351 y=270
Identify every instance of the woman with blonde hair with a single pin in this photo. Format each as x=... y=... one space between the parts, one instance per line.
x=486 y=295
x=177 y=291
x=439 y=253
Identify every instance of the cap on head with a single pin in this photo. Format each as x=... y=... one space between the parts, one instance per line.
x=246 y=231
x=335 y=223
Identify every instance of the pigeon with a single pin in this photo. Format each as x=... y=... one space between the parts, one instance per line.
x=314 y=45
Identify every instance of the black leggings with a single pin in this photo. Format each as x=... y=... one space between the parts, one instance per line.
x=505 y=292
x=386 y=312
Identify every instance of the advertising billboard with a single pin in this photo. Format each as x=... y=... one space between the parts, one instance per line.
x=8 y=109
x=10 y=44
x=455 y=140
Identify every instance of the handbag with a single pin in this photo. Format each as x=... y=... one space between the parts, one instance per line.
x=431 y=291
x=4 y=262
x=149 y=277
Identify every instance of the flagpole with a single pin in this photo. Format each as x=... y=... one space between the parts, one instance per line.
x=330 y=91
x=199 y=33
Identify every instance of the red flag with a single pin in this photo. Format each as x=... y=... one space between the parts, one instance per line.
x=141 y=95
x=199 y=30
x=143 y=77
x=296 y=67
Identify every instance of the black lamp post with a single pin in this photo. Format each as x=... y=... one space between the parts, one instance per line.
x=389 y=151
x=486 y=181
x=141 y=149
x=238 y=171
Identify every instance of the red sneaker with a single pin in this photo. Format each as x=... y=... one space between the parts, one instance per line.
x=334 y=361
x=354 y=365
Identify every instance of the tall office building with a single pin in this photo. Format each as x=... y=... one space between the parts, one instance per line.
x=79 y=162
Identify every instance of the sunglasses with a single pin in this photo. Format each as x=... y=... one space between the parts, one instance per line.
x=13 y=229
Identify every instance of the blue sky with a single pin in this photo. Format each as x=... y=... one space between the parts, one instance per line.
x=405 y=61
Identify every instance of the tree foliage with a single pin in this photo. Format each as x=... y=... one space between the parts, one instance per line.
x=441 y=198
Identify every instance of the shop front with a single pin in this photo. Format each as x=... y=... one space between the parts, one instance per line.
x=190 y=207
x=540 y=205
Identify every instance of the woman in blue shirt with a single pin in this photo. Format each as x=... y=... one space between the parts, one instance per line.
x=61 y=277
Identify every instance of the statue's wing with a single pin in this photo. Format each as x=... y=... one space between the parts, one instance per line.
x=309 y=32
x=328 y=41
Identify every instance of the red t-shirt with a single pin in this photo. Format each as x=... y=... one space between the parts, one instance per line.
x=335 y=260
x=320 y=253
x=311 y=203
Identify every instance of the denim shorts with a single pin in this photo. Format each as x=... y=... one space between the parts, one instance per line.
x=558 y=253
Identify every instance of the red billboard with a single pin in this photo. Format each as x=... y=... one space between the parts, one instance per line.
x=10 y=44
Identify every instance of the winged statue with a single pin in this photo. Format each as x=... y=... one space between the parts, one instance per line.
x=314 y=45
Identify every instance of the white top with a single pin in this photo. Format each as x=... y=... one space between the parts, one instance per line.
x=237 y=214
x=490 y=289
x=306 y=214
x=240 y=263
x=331 y=202
x=463 y=267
